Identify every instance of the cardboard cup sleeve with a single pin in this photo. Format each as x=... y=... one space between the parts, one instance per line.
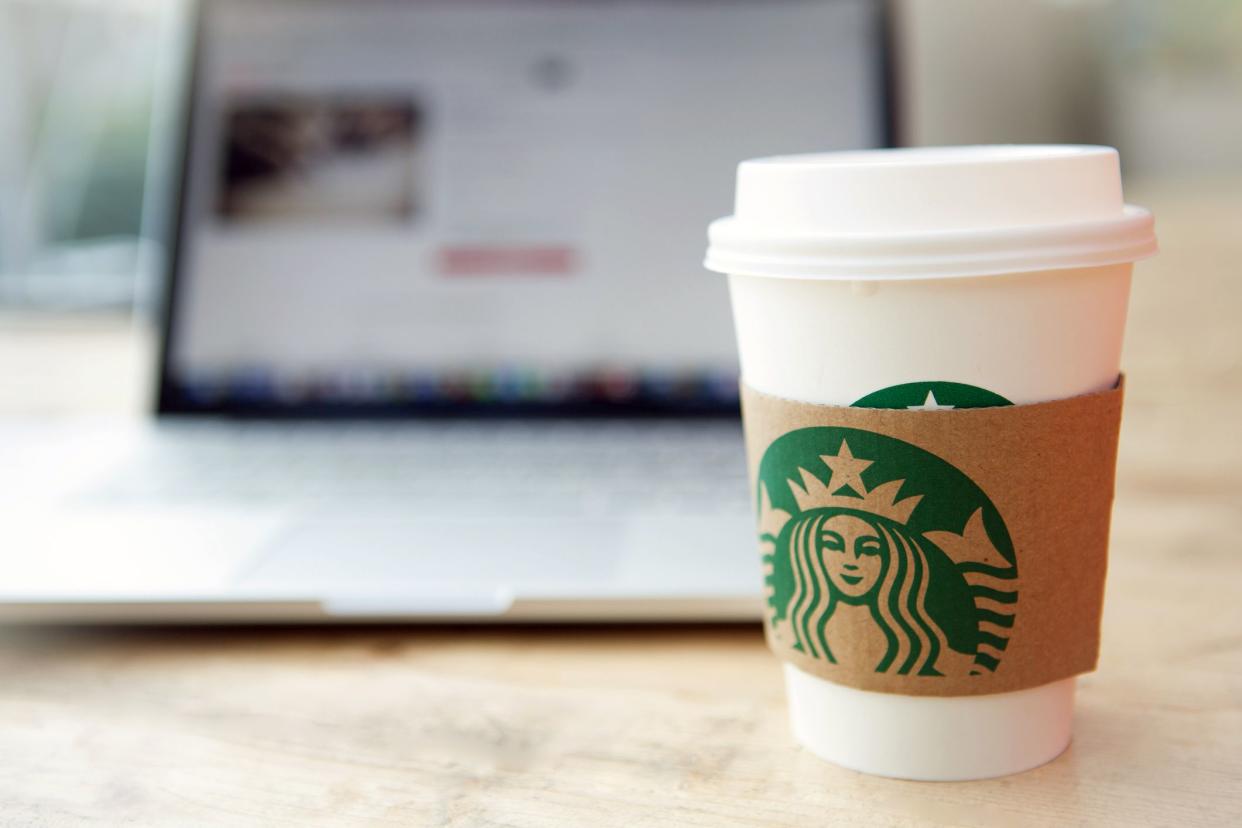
x=934 y=552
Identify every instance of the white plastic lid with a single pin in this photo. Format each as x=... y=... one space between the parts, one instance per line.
x=929 y=213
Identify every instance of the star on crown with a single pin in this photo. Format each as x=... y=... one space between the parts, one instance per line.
x=845 y=489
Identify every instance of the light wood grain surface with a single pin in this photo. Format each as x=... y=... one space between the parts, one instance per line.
x=666 y=725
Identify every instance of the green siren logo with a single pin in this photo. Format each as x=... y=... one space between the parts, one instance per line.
x=881 y=554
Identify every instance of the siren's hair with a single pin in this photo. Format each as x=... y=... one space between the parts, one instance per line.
x=898 y=601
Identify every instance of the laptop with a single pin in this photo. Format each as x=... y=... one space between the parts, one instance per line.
x=437 y=343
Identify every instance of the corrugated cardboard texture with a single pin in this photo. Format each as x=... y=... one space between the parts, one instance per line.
x=938 y=553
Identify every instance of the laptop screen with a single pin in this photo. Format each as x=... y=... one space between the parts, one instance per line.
x=499 y=206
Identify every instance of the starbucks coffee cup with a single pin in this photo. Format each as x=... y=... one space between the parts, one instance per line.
x=974 y=282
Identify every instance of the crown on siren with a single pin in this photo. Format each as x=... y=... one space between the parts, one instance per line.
x=845 y=489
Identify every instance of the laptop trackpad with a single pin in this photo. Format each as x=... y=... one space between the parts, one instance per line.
x=334 y=555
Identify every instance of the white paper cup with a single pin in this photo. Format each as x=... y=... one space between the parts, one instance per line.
x=1006 y=268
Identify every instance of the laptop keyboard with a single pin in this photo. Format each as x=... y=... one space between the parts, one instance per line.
x=582 y=467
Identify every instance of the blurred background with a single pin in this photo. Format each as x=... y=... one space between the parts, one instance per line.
x=90 y=102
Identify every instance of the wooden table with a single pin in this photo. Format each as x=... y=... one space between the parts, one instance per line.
x=669 y=724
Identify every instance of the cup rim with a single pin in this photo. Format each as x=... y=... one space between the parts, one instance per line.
x=734 y=248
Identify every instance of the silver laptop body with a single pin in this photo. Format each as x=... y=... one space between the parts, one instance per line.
x=436 y=343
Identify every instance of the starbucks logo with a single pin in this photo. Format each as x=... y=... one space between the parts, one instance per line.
x=882 y=555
